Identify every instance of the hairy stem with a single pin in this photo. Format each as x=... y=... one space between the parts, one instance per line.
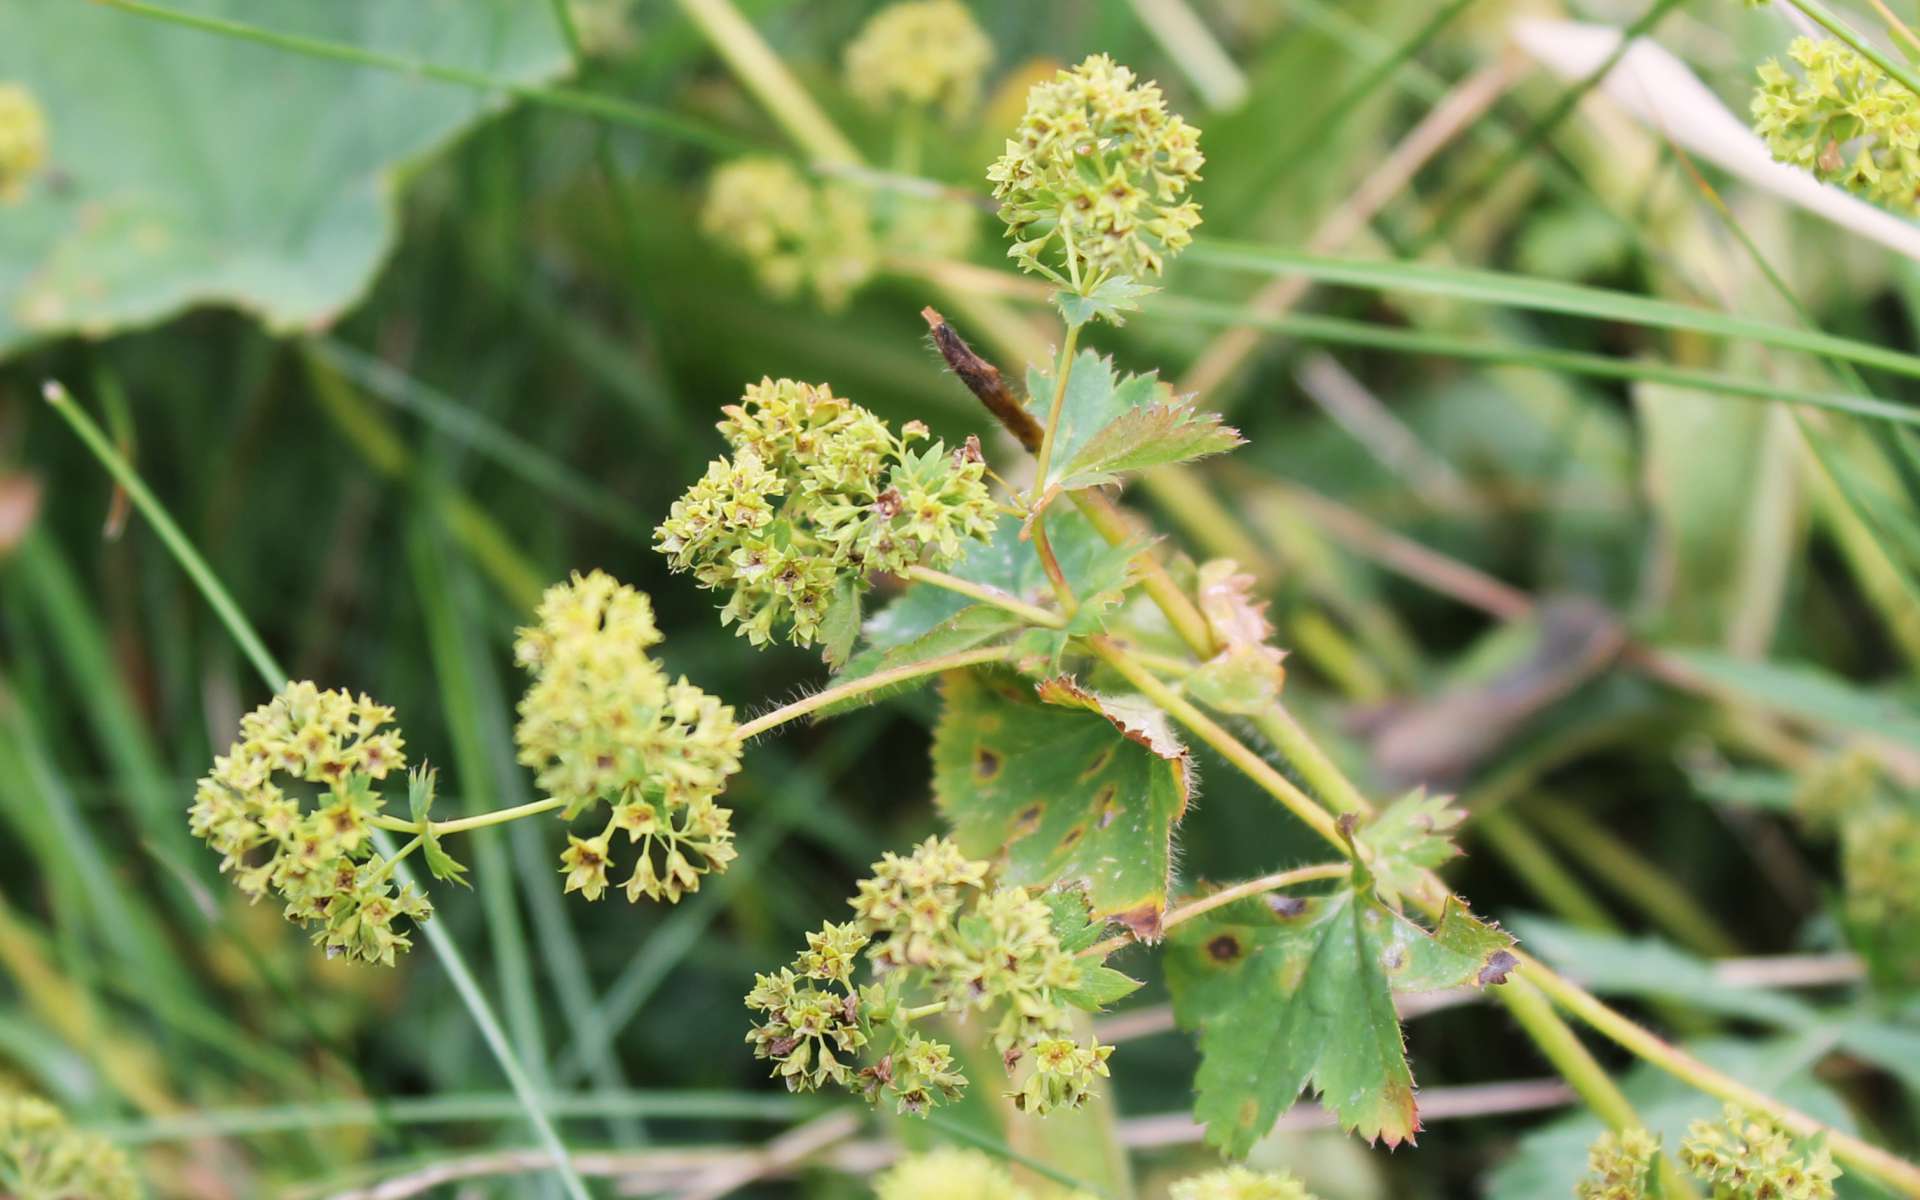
x=986 y=594
x=1227 y=895
x=1577 y=1065
x=876 y=682
x=1043 y=461
x=1224 y=743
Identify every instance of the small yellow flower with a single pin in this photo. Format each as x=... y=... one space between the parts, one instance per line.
x=1843 y=120
x=1748 y=1155
x=48 y=1159
x=819 y=493
x=1619 y=1164
x=584 y=862
x=947 y=1174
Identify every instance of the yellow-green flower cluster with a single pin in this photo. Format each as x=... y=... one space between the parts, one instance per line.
x=1843 y=795
x=1745 y=1156
x=1842 y=119
x=948 y=1174
x=818 y=496
x=1095 y=179
x=926 y=53
x=940 y=942
x=44 y=1158
x=23 y=141
x=1240 y=1183
x=797 y=234
x=601 y=722
x=1880 y=881
x=290 y=807
x=1619 y=1164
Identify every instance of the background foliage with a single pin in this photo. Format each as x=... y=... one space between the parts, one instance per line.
x=397 y=351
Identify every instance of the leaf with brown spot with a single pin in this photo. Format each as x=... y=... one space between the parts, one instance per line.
x=1087 y=791
x=1281 y=999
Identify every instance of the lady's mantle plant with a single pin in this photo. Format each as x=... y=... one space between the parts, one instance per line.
x=1072 y=660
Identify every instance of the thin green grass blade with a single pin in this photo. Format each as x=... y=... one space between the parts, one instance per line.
x=452 y=668
x=1537 y=133
x=44 y=810
x=1546 y=295
x=467 y=426
x=1340 y=332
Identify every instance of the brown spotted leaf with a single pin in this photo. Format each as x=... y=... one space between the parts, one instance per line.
x=1085 y=789
x=1286 y=995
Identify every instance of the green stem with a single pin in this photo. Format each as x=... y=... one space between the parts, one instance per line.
x=499 y=816
x=1853 y=1152
x=1227 y=895
x=935 y=1008
x=271 y=674
x=1577 y=1065
x=876 y=682
x=1229 y=747
x=588 y=103
x=1861 y=1156
x=1277 y=725
x=1044 y=460
x=762 y=72
x=1827 y=19
x=393 y=860
x=985 y=594
x=170 y=535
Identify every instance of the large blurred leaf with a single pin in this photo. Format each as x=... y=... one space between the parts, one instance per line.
x=1284 y=992
x=188 y=167
x=1063 y=785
